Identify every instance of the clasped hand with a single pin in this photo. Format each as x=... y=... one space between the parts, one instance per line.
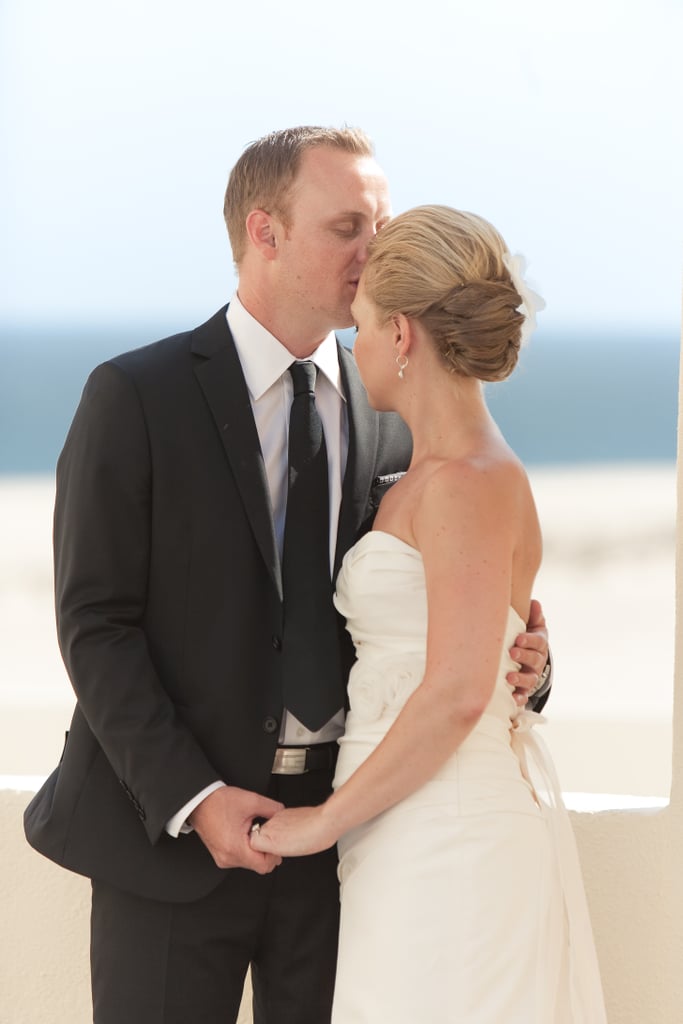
x=294 y=832
x=223 y=821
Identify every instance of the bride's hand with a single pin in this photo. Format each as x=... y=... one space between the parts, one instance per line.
x=293 y=832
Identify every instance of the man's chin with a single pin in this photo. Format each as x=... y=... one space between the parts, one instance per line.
x=344 y=317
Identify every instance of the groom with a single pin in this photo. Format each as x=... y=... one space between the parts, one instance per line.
x=169 y=527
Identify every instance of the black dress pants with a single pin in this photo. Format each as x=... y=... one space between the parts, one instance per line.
x=185 y=963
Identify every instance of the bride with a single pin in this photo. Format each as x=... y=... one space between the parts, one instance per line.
x=462 y=900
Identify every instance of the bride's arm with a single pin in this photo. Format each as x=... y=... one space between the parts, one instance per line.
x=465 y=528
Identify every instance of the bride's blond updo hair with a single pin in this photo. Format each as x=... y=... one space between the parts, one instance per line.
x=445 y=268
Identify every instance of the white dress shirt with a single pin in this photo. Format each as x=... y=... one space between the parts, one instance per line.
x=265 y=362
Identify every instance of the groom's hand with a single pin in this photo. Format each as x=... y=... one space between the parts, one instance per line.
x=531 y=651
x=223 y=820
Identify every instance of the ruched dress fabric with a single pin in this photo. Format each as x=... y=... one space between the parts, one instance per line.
x=462 y=904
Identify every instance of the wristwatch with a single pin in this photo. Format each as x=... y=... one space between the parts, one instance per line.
x=543 y=678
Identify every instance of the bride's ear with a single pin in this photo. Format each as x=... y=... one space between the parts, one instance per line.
x=403 y=335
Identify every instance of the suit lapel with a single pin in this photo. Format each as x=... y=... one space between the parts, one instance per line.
x=361 y=459
x=220 y=376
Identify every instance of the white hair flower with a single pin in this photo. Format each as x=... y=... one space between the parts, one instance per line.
x=532 y=302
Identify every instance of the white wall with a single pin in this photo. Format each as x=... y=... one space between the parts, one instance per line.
x=43 y=930
x=44 y=970
x=632 y=868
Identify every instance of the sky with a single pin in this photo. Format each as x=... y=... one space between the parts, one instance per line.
x=560 y=123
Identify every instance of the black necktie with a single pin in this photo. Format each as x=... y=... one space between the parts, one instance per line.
x=313 y=687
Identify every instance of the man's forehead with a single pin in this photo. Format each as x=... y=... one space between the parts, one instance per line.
x=328 y=168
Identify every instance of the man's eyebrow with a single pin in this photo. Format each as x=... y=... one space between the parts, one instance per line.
x=347 y=215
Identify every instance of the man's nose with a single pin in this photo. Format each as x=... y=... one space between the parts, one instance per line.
x=363 y=243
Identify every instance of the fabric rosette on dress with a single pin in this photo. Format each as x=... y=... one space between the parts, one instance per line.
x=378 y=688
x=382 y=687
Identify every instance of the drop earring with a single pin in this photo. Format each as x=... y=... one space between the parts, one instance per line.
x=401 y=365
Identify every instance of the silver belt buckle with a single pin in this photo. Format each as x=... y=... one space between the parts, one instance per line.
x=290 y=761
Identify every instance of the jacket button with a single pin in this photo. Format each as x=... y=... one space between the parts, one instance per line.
x=270 y=724
x=277 y=643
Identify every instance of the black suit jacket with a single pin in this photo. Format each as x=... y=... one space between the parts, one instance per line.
x=169 y=603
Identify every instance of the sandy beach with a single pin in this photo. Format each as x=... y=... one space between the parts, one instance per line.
x=607 y=588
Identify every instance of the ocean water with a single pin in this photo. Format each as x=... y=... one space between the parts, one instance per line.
x=577 y=396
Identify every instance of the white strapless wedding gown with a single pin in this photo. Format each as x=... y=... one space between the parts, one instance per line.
x=463 y=904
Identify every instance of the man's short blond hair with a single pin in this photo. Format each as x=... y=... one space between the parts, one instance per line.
x=263 y=175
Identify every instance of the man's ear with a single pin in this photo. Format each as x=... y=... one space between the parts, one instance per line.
x=262 y=234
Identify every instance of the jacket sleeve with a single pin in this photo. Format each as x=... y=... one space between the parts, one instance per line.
x=102 y=544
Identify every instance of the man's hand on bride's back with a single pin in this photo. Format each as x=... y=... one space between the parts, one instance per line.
x=294 y=832
x=531 y=652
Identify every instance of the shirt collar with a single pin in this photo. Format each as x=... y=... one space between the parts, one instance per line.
x=264 y=359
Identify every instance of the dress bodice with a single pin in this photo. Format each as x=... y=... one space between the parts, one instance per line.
x=381 y=592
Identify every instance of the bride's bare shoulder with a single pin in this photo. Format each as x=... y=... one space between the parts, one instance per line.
x=477 y=495
x=480 y=473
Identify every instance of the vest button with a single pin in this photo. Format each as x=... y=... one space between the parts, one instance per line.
x=277 y=643
x=270 y=724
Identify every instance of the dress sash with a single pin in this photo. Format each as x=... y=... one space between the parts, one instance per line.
x=585 y=988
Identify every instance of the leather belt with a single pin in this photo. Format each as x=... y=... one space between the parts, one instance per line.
x=299 y=760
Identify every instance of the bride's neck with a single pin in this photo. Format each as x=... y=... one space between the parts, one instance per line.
x=448 y=418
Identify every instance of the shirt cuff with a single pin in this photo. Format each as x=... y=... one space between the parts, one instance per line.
x=177 y=825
